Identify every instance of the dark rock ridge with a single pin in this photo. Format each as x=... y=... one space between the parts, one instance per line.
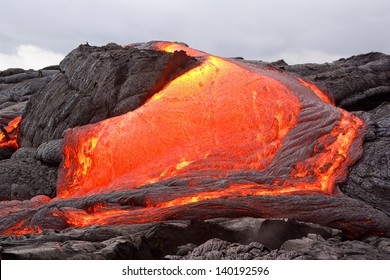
x=369 y=178
x=313 y=247
x=23 y=176
x=95 y=83
x=357 y=83
x=16 y=91
x=16 y=88
x=243 y=238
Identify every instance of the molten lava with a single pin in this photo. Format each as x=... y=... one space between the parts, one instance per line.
x=184 y=127
x=9 y=134
x=224 y=132
x=216 y=119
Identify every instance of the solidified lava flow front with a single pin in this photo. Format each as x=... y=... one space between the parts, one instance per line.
x=222 y=130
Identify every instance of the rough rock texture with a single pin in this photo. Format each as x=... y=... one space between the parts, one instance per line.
x=50 y=152
x=146 y=241
x=14 y=78
x=96 y=83
x=16 y=87
x=196 y=239
x=357 y=83
x=13 y=95
x=361 y=83
x=312 y=247
x=6 y=152
x=369 y=179
x=23 y=176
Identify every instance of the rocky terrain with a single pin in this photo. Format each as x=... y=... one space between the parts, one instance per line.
x=242 y=238
x=95 y=83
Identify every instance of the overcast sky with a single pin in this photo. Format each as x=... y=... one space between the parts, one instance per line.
x=37 y=33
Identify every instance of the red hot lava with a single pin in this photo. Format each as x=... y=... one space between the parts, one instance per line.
x=224 y=129
x=8 y=134
x=218 y=116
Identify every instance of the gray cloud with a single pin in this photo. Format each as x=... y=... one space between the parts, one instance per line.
x=253 y=29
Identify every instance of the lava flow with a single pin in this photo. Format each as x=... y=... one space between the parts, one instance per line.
x=216 y=119
x=215 y=139
x=8 y=134
x=182 y=128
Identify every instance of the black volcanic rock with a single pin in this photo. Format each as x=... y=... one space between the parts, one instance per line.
x=26 y=75
x=16 y=87
x=183 y=239
x=357 y=83
x=50 y=152
x=23 y=176
x=11 y=71
x=312 y=247
x=6 y=153
x=369 y=178
x=14 y=96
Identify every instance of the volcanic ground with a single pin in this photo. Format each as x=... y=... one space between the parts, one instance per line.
x=157 y=150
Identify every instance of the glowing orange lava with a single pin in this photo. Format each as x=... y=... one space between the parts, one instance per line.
x=10 y=137
x=172 y=47
x=203 y=119
x=19 y=229
x=258 y=131
x=217 y=116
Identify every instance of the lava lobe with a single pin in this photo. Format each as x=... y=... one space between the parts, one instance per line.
x=223 y=139
x=217 y=120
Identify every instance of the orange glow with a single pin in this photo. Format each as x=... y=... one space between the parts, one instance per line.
x=316 y=90
x=172 y=47
x=232 y=191
x=82 y=219
x=150 y=144
x=326 y=165
x=218 y=120
x=226 y=118
x=20 y=229
x=12 y=132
